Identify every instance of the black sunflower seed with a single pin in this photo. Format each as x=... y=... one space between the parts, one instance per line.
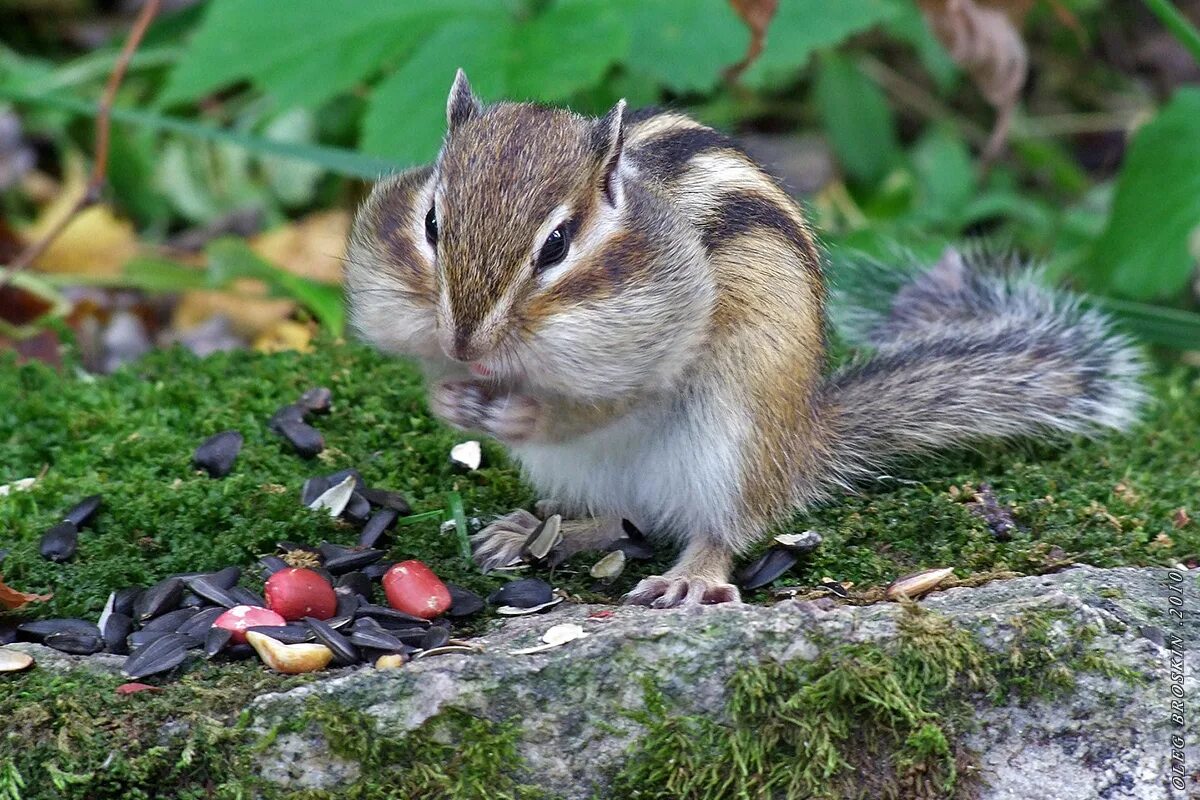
x=290 y=414
x=355 y=582
x=210 y=590
x=463 y=602
x=774 y=562
x=238 y=652
x=317 y=400
x=306 y=440
x=116 y=629
x=435 y=637
x=344 y=652
x=226 y=578
x=347 y=603
x=59 y=542
x=411 y=636
x=38 y=630
x=245 y=597
x=357 y=510
x=389 y=617
x=216 y=454
x=344 y=559
x=161 y=655
x=200 y=622
x=634 y=549
x=377 y=570
x=376 y=640
x=160 y=598
x=386 y=498
x=215 y=640
x=313 y=488
x=193 y=601
x=171 y=620
x=139 y=639
x=271 y=565
x=335 y=478
x=77 y=644
x=380 y=523
x=525 y=593
x=288 y=634
x=8 y=631
x=82 y=512
x=125 y=599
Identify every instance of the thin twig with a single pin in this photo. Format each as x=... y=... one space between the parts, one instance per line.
x=95 y=186
x=1179 y=26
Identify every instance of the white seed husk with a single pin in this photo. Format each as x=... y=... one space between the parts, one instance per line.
x=514 y=611
x=14 y=660
x=556 y=636
x=467 y=454
x=917 y=584
x=609 y=567
x=335 y=498
x=17 y=486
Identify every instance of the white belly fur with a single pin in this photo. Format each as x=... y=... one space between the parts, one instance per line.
x=669 y=472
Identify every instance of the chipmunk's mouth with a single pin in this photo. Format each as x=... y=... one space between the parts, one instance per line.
x=481 y=370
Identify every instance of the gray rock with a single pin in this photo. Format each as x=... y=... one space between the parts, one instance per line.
x=1108 y=738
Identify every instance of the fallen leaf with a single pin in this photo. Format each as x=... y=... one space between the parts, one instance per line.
x=285 y=335
x=1181 y=518
x=988 y=46
x=11 y=599
x=249 y=311
x=311 y=247
x=134 y=688
x=757 y=14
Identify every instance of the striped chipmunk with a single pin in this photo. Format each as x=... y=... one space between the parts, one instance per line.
x=636 y=309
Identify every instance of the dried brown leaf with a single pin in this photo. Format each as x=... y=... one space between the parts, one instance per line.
x=11 y=599
x=987 y=45
x=757 y=14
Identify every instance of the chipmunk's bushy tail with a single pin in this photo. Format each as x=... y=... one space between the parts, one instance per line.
x=974 y=348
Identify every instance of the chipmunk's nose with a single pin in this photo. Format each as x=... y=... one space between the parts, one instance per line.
x=461 y=344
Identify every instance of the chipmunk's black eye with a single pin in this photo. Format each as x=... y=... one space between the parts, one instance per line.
x=556 y=247
x=431 y=229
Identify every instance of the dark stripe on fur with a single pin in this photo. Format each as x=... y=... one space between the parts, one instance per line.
x=741 y=213
x=666 y=157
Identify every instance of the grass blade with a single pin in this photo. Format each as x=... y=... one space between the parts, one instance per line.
x=459 y=515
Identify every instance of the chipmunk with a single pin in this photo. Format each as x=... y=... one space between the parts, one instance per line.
x=637 y=310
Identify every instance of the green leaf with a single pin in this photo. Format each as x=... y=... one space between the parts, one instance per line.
x=945 y=173
x=549 y=57
x=684 y=45
x=1144 y=251
x=801 y=27
x=857 y=119
x=909 y=25
x=304 y=54
x=1169 y=327
x=231 y=258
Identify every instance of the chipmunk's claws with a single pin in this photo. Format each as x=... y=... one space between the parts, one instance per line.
x=681 y=590
x=500 y=543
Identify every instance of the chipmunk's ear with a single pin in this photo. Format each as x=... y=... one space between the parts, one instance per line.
x=608 y=138
x=462 y=104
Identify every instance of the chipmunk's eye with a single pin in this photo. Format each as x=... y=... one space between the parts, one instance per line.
x=555 y=248
x=431 y=229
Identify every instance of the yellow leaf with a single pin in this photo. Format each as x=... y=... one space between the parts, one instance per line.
x=311 y=247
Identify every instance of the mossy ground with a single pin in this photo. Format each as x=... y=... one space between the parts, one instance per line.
x=130 y=437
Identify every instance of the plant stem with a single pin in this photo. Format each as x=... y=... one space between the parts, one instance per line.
x=1179 y=26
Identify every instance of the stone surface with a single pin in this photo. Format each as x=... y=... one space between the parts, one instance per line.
x=1109 y=738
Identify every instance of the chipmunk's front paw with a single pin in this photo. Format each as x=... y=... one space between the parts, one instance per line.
x=500 y=543
x=469 y=405
x=669 y=591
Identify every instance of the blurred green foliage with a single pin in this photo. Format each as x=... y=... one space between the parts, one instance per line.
x=232 y=103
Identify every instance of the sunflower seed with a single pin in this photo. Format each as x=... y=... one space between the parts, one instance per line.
x=340 y=559
x=803 y=542
x=38 y=630
x=8 y=631
x=161 y=655
x=385 y=498
x=200 y=622
x=124 y=600
x=355 y=582
x=386 y=616
x=523 y=593
x=772 y=564
x=463 y=602
x=77 y=644
x=466 y=455
x=306 y=440
x=139 y=639
x=545 y=537
x=14 y=660
x=317 y=400
x=344 y=652
x=313 y=488
x=834 y=588
x=609 y=567
x=377 y=570
x=435 y=637
x=216 y=454
x=380 y=522
x=82 y=512
x=376 y=640
x=171 y=620
x=226 y=578
x=238 y=652
x=335 y=498
x=271 y=565
x=917 y=584
x=210 y=590
x=115 y=630
x=215 y=640
x=358 y=510
x=521 y=611
x=160 y=598
x=245 y=597
x=290 y=414
x=59 y=542
x=288 y=634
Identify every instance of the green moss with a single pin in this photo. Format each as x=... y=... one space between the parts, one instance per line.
x=861 y=721
x=452 y=755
